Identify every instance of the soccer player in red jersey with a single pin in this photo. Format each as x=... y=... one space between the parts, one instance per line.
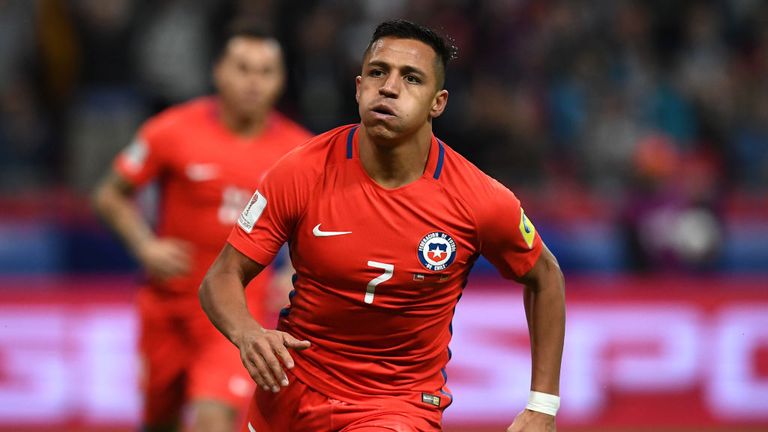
x=207 y=156
x=384 y=222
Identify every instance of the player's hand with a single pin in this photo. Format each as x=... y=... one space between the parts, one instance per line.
x=265 y=352
x=533 y=421
x=163 y=258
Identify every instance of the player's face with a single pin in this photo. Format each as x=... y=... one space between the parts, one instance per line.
x=250 y=76
x=397 y=92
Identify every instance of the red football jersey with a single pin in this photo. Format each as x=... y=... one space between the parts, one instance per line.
x=206 y=175
x=379 y=271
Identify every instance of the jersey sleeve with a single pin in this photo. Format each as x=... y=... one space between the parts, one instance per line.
x=144 y=158
x=507 y=237
x=274 y=209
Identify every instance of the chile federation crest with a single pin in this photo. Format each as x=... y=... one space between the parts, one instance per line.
x=437 y=251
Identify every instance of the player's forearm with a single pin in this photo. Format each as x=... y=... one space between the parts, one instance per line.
x=545 y=309
x=222 y=296
x=116 y=207
x=223 y=300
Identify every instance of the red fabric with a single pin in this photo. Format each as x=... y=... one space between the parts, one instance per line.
x=184 y=358
x=346 y=233
x=205 y=174
x=298 y=408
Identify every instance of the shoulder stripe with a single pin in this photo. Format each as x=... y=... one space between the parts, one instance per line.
x=440 y=157
x=350 y=136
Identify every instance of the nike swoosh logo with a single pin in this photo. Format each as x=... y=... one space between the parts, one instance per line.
x=316 y=231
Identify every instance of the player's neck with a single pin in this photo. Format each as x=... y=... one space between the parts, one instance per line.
x=395 y=164
x=242 y=126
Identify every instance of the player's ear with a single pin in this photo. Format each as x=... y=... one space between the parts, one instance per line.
x=439 y=103
x=357 y=88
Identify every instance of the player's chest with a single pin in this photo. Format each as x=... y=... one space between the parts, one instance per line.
x=215 y=174
x=412 y=242
x=207 y=159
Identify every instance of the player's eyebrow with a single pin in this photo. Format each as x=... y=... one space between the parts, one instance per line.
x=404 y=70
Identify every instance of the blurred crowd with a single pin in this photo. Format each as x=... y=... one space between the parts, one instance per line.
x=657 y=108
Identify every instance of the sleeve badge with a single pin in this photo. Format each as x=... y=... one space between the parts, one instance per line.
x=527 y=229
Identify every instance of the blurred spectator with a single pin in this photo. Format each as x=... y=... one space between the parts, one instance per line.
x=321 y=80
x=105 y=108
x=23 y=136
x=23 y=126
x=671 y=219
x=173 y=50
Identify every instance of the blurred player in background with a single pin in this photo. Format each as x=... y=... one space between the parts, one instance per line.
x=207 y=156
x=384 y=223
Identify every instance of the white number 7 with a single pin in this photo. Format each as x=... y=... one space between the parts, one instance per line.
x=388 y=270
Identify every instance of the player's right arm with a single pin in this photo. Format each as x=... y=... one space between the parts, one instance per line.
x=160 y=257
x=139 y=163
x=222 y=295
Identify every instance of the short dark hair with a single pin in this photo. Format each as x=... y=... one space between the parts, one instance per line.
x=403 y=29
x=243 y=27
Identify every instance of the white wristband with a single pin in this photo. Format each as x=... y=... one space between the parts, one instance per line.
x=543 y=403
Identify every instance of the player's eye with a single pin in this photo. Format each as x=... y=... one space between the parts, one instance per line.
x=269 y=72
x=412 y=79
x=376 y=73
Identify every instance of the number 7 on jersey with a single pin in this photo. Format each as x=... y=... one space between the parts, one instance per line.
x=387 y=275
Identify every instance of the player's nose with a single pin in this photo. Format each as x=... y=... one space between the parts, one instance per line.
x=391 y=86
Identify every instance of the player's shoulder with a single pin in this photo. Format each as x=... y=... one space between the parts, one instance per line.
x=180 y=117
x=480 y=194
x=313 y=157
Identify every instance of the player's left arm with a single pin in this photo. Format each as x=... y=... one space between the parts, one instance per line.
x=544 y=301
